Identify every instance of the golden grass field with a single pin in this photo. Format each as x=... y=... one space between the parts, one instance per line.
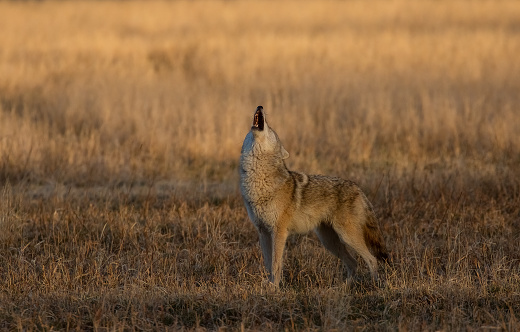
x=121 y=125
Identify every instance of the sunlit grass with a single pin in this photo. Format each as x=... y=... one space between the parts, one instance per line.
x=120 y=130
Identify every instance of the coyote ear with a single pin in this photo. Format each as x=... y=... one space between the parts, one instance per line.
x=285 y=154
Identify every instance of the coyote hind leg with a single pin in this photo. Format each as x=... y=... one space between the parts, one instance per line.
x=354 y=238
x=331 y=241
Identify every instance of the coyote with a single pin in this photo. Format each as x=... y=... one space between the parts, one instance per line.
x=280 y=202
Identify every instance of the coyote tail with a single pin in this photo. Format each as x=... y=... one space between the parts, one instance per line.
x=374 y=237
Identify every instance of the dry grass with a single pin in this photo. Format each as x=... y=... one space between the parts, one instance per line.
x=120 y=130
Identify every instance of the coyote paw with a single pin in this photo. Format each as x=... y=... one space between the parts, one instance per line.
x=268 y=286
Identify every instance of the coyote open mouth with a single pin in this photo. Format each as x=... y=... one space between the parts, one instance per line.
x=258 y=121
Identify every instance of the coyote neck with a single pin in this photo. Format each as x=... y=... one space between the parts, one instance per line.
x=260 y=178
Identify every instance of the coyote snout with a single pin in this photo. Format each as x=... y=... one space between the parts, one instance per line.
x=280 y=202
x=258 y=120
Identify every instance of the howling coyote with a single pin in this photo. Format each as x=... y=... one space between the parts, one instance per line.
x=280 y=202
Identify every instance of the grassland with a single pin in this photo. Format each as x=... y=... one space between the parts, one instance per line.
x=120 y=130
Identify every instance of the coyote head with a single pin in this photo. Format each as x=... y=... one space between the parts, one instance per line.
x=262 y=140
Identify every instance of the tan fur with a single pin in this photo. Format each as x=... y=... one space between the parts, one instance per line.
x=280 y=202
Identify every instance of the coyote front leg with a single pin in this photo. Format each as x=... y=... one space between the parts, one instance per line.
x=266 y=243
x=279 y=237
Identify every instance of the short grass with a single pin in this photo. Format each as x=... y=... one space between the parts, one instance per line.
x=120 y=130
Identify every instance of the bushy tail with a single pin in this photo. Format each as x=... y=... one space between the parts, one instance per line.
x=374 y=237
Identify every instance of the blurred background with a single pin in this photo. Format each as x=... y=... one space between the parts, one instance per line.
x=92 y=92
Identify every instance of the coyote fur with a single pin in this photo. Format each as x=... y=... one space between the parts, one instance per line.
x=280 y=202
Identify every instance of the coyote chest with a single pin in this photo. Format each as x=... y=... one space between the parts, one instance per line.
x=260 y=191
